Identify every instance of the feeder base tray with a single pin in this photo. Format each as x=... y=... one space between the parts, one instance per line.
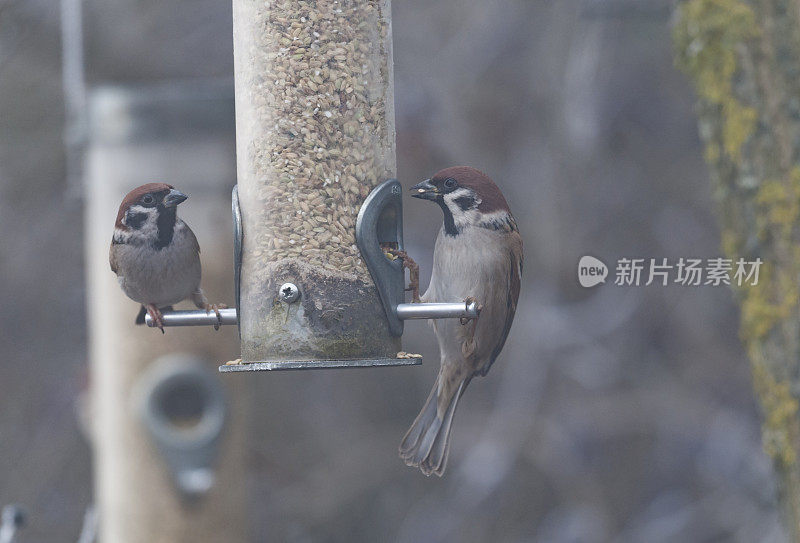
x=319 y=364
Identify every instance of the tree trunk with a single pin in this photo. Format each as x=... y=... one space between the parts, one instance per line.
x=744 y=60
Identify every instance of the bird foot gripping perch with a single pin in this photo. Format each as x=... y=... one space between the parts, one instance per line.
x=215 y=308
x=154 y=317
x=214 y=315
x=410 y=265
x=379 y=236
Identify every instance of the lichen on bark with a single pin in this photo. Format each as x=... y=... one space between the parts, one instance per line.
x=707 y=37
x=743 y=57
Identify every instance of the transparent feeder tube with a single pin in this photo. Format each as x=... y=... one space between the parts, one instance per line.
x=315 y=133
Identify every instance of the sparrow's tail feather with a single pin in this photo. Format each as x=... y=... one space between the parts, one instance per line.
x=140 y=316
x=427 y=442
x=410 y=445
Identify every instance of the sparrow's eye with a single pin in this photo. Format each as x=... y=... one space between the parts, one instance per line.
x=148 y=199
x=449 y=183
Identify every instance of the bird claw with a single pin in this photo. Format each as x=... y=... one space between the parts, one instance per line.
x=215 y=308
x=413 y=271
x=155 y=314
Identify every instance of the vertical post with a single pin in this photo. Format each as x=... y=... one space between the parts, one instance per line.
x=314 y=134
x=743 y=57
x=74 y=82
x=182 y=136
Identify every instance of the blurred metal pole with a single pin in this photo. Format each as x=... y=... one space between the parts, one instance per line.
x=12 y=519
x=184 y=136
x=89 y=530
x=73 y=81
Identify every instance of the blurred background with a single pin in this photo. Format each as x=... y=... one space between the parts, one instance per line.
x=614 y=413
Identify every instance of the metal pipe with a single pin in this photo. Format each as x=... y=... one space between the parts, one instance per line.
x=73 y=80
x=11 y=520
x=458 y=310
x=195 y=318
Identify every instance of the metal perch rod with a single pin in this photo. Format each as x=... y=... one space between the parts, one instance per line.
x=458 y=310
x=195 y=318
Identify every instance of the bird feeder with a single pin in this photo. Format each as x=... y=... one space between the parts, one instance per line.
x=317 y=206
x=315 y=133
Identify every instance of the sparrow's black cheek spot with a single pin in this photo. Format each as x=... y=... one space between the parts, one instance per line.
x=135 y=220
x=465 y=202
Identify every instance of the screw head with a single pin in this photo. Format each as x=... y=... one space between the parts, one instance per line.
x=288 y=293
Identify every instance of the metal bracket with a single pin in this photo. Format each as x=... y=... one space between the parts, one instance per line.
x=380 y=220
x=237 y=248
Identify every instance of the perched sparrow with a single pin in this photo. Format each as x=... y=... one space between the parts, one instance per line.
x=478 y=255
x=155 y=254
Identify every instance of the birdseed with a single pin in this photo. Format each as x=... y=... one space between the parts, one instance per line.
x=315 y=100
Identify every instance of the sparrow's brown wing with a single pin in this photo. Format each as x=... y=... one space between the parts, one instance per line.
x=514 y=283
x=193 y=239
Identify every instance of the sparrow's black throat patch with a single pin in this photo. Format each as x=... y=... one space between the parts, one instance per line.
x=166 y=227
x=449 y=223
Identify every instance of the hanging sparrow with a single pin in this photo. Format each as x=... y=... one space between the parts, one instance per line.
x=478 y=255
x=155 y=254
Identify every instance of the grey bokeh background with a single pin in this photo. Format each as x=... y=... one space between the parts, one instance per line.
x=614 y=414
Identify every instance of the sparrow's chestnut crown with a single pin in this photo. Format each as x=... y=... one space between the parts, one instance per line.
x=150 y=195
x=452 y=179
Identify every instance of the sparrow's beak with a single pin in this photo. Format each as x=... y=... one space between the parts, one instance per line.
x=174 y=198
x=425 y=190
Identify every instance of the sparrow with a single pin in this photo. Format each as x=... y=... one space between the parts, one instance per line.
x=155 y=254
x=477 y=256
